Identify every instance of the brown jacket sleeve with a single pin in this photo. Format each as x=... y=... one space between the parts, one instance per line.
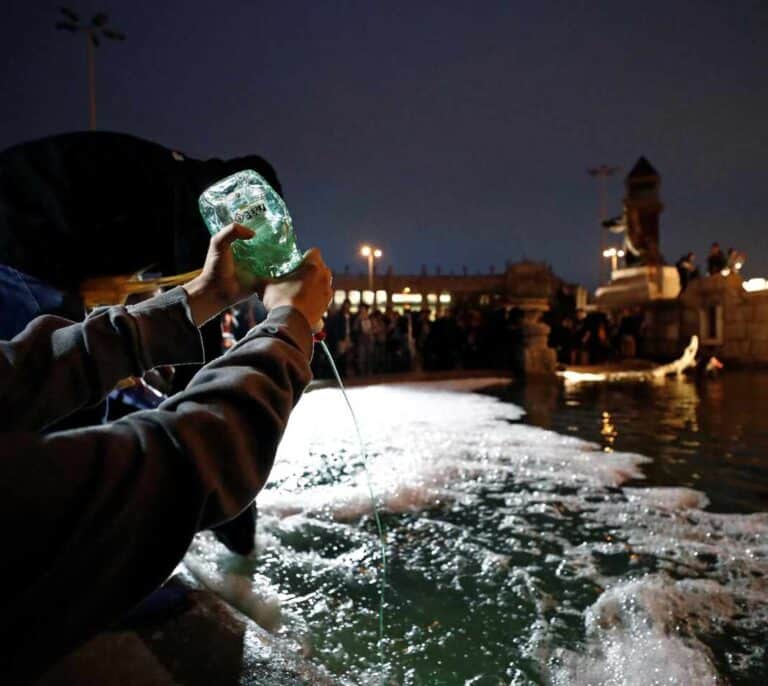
x=55 y=367
x=97 y=518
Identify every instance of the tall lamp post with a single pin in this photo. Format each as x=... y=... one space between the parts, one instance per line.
x=372 y=254
x=601 y=173
x=93 y=32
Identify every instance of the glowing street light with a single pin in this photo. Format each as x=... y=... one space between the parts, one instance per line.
x=372 y=254
x=613 y=254
x=93 y=32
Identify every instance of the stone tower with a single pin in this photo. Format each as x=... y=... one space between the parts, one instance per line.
x=642 y=208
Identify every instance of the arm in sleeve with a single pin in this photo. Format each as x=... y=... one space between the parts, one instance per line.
x=55 y=367
x=99 y=517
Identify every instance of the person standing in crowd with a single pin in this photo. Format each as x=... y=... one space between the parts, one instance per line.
x=379 y=333
x=421 y=329
x=363 y=337
x=443 y=342
x=399 y=342
x=687 y=269
x=716 y=260
x=339 y=330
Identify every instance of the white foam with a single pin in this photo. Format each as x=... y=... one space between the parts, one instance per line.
x=254 y=595
x=422 y=439
x=638 y=635
x=650 y=630
x=668 y=498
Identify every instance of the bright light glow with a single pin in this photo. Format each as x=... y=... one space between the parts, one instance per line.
x=431 y=298
x=381 y=297
x=613 y=252
x=571 y=376
x=407 y=289
x=339 y=297
x=756 y=284
x=445 y=298
x=368 y=297
x=365 y=251
x=354 y=297
x=377 y=253
x=406 y=298
x=738 y=266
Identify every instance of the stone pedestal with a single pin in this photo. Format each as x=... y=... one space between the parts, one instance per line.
x=535 y=357
x=638 y=286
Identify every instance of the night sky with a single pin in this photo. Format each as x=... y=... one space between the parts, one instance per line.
x=447 y=133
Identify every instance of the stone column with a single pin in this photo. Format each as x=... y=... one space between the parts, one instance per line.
x=535 y=357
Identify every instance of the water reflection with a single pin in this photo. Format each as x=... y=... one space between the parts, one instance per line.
x=608 y=432
x=711 y=434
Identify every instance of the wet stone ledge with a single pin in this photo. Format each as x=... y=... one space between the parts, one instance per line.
x=184 y=635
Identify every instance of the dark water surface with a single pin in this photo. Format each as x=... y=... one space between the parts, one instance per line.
x=522 y=549
x=711 y=435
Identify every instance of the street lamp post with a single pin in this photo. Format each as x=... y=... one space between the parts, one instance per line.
x=93 y=31
x=602 y=173
x=372 y=254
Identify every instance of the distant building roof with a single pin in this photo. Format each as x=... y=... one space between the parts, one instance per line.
x=642 y=168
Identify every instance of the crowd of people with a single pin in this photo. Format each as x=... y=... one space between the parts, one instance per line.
x=374 y=341
x=718 y=262
x=595 y=338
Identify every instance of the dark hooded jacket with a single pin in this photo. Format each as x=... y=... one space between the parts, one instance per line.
x=89 y=204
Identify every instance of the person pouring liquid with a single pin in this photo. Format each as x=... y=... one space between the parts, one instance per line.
x=98 y=517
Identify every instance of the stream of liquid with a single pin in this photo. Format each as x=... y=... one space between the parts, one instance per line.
x=364 y=457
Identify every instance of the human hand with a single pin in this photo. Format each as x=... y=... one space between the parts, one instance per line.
x=217 y=286
x=308 y=289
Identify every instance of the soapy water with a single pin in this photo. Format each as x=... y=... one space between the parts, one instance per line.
x=516 y=556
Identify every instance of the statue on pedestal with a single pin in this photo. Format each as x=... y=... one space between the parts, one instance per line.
x=642 y=208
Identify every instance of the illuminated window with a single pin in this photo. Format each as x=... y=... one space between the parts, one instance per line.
x=406 y=298
x=368 y=297
x=445 y=298
x=431 y=298
x=339 y=297
x=381 y=297
x=354 y=297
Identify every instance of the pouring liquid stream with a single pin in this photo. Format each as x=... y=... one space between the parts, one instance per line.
x=364 y=456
